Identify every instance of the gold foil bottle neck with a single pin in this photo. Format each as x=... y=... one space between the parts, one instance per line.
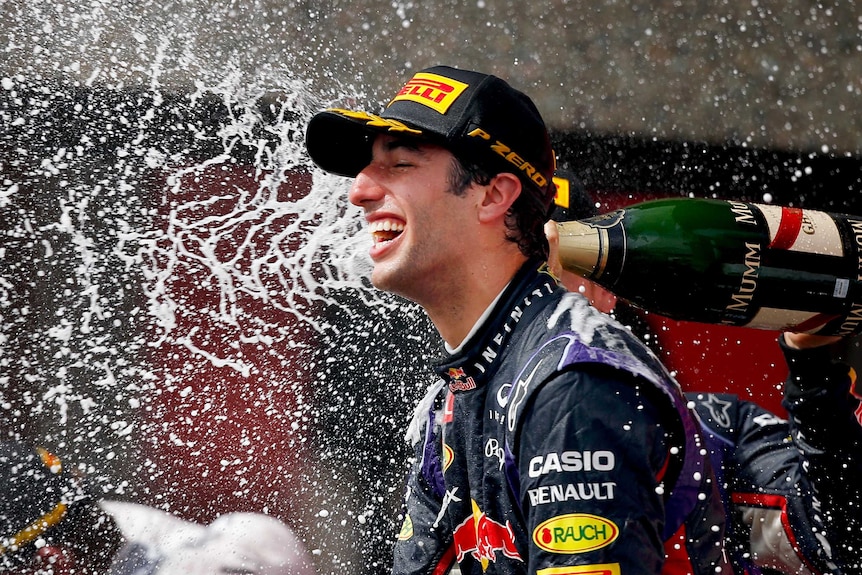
x=581 y=249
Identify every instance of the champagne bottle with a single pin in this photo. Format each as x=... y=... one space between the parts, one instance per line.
x=726 y=262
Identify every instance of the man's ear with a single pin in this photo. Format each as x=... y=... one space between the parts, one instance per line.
x=500 y=194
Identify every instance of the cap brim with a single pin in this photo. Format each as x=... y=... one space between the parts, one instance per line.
x=339 y=144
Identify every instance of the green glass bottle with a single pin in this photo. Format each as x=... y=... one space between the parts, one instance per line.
x=726 y=262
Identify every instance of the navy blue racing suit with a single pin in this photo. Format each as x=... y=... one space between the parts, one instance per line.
x=792 y=489
x=824 y=400
x=556 y=443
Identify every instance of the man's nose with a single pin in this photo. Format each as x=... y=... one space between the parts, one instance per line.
x=365 y=188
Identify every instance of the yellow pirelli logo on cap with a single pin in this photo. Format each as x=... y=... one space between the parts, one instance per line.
x=436 y=92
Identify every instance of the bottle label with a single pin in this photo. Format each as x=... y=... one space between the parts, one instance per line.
x=816 y=245
x=800 y=230
x=742 y=303
x=842 y=286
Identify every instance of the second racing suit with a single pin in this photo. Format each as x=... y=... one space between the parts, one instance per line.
x=792 y=489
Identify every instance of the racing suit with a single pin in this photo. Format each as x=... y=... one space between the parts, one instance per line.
x=792 y=488
x=824 y=401
x=558 y=444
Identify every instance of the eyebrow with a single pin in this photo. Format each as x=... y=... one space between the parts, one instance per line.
x=411 y=144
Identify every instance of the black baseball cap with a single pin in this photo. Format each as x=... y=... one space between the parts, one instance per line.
x=479 y=118
x=37 y=493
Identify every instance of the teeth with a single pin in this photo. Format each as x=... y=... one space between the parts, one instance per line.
x=386 y=226
x=385 y=230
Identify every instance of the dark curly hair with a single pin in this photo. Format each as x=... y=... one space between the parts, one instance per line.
x=526 y=217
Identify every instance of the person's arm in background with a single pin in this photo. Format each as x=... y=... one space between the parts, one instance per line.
x=825 y=406
x=822 y=398
x=775 y=521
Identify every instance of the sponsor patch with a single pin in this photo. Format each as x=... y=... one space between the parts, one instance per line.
x=575 y=533
x=406 y=529
x=718 y=410
x=599 y=569
x=448 y=456
x=459 y=380
x=484 y=539
x=554 y=462
x=571 y=492
x=436 y=92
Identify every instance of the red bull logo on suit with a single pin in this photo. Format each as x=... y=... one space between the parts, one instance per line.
x=482 y=537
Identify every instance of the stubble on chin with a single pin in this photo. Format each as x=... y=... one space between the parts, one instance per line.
x=391 y=281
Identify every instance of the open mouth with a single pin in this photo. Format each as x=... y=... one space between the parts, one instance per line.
x=385 y=230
